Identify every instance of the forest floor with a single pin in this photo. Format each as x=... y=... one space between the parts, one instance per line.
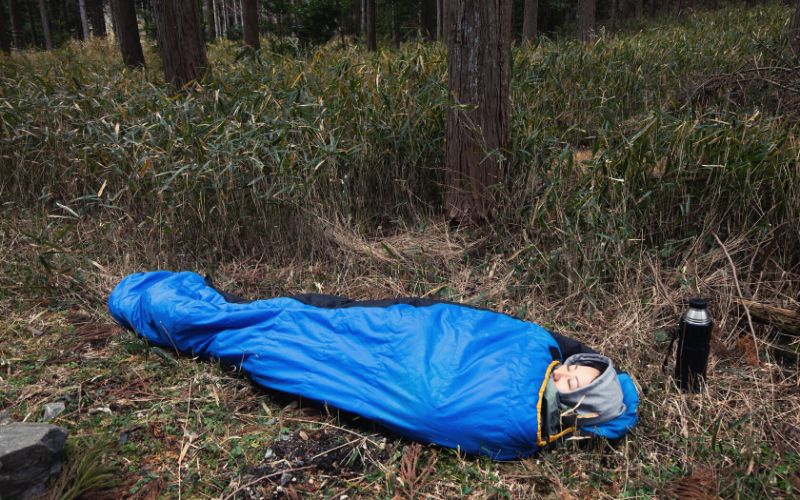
x=652 y=165
x=168 y=425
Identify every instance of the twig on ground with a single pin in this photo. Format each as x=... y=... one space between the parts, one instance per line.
x=365 y=438
x=268 y=476
x=739 y=291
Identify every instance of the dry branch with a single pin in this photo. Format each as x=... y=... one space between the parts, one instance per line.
x=786 y=320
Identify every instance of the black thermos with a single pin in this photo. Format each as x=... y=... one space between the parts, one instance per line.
x=694 y=338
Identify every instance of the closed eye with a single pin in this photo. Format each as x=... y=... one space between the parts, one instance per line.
x=573 y=383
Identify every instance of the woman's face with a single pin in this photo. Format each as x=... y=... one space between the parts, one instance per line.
x=570 y=377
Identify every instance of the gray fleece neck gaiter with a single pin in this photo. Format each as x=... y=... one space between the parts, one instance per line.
x=599 y=401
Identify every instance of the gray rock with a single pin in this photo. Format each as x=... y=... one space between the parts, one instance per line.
x=286 y=478
x=5 y=418
x=52 y=410
x=30 y=454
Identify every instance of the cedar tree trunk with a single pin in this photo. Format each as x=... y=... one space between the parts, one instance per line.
x=429 y=21
x=355 y=13
x=48 y=38
x=32 y=21
x=479 y=68
x=127 y=29
x=530 y=19
x=16 y=23
x=440 y=20
x=97 y=18
x=211 y=28
x=585 y=16
x=395 y=24
x=180 y=41
x=372 y=41
x=794 y=31
x=250 y=23
x=84 y=20
x=5 y=36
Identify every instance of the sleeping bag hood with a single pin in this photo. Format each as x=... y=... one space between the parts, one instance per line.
x=435 y=372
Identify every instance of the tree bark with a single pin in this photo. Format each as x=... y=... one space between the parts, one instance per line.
x=16 y=23
x=84 y=20
x=429 y=19
x=97 y=18
x=127 y=30
x=395 y=24
x=355 y=17
x=211 y=29
x=250 y=23
x=5 y=36
x=440 y=20
x=372 y=40
x=586 y=10
x=180 y=41
x=363 y=17
x=48 y=38
x=479 y=69
x=794 y=31
x=530 y=20
x=32 y=21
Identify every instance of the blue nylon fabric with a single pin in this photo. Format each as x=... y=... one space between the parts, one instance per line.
x=446 y=374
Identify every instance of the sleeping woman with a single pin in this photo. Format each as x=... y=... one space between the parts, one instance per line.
x=435 y=372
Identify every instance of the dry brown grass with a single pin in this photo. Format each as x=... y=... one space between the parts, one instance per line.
x=742 y=429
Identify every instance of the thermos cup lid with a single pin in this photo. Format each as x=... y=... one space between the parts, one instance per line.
x=697 y=303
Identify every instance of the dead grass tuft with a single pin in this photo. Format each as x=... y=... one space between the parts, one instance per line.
x=699 y=485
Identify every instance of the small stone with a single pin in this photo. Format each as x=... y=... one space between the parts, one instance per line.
x=5 y=418
x=269 y=454
x=52 y=410
x=303 y=435
x=30 y=454
x=286 y=478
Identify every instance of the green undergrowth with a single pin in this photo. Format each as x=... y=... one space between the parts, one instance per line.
x=608 y=157
x=321 y=171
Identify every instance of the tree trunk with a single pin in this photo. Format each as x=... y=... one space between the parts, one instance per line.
x=180 y=41
x=32 y=21
x=127 y=30
x=211 y=29
x=530 y=20
x=479 y=68
x=16 y=23
x=97 y=18
x=48 y=39
x=5 y=36
x=440 y=20
x=355 y=17
x=217 y=20
x=84 y=20
x=363 y=17
x=372 y=41
x=429 y=19
x=223 y=17
x=585 y=16
x=794 y=31
x=395 y=24
x=250 y=23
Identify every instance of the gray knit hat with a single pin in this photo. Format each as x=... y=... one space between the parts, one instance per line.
x=599 y=401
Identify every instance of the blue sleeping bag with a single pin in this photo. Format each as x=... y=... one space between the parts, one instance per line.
x=435 y=372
